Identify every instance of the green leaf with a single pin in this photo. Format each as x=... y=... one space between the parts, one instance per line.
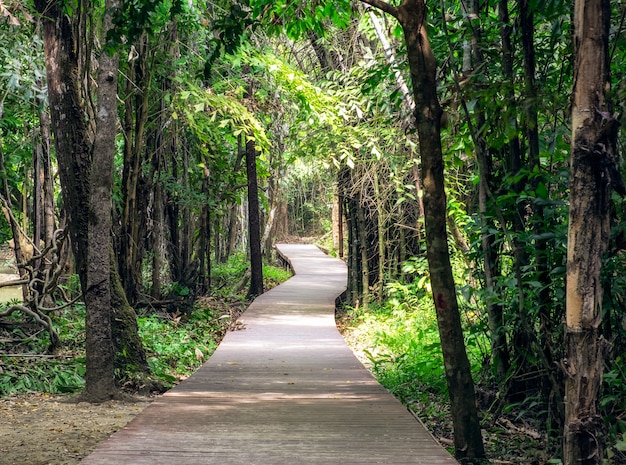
x=541 y=191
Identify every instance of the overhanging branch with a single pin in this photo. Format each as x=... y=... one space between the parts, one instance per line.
x=383 y=6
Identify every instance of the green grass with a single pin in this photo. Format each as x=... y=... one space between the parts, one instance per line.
x=274 y=275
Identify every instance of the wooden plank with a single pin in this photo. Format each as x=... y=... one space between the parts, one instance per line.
x=285 y=389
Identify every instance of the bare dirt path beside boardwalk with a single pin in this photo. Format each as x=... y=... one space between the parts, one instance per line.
x=285 y=389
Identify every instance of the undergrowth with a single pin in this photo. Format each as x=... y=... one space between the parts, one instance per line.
x=175 y=344
x=399 y=342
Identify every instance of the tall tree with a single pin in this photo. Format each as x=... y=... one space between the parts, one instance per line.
x=254 y=223
x=593 y=176
x=86 y=167
x=412 y=15
x=74 y=155
x=100 y=349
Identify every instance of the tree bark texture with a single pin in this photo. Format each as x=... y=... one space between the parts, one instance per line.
x=48 y=184
x=97 y=294
x=593 y=175
x=74 y=155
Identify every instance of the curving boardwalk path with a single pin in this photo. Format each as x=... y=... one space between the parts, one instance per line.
x=284 y=390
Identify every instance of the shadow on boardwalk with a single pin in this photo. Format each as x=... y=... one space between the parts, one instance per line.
x=284 y=390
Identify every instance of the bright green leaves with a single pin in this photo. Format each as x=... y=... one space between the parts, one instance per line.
x=207 y=112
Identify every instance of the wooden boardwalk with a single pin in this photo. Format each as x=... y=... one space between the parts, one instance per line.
x=284 y=390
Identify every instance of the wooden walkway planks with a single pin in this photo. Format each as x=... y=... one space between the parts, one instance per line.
x=286 y=389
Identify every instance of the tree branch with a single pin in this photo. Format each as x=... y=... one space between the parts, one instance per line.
x=383 y=6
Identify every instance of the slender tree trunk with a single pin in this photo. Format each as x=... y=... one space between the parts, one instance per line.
x=135 y=118
x=499 y=348
x=232 y=232
x=380 y=222
x=20 y=243
x=340 y=222
x=411 y=15
x=204 y=239
x=361 y=225
x=593 y=175
x=37 y=196
x=48 y=183
x=158 y=244
x=532 y=130
x=254 y=225
x=355 y=257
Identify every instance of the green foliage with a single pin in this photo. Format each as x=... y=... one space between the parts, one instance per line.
x=226 y=276
x=274 y=275
x=296 y=19
x=613 y=406
x=219 y=111
x=136 y=17
x=401 y=341
x=177 y=346
x=52 y=375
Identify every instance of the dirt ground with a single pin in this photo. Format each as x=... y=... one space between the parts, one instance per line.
x=39 y=429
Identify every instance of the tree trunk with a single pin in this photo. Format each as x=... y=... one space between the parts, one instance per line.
x=135 y=118
x=204 y=239
x=534 y=163
x=20 y=241
x=37 y=196
x=74 y=153
x=411 y=15
x=254 y=223
x=499 y=349
x=382 y=237
x=593 y=174
x=99 y=377
x=48 y=183
x=130 y=355
x=363 y=246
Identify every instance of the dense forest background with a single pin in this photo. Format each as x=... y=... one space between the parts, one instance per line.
x=194 y=131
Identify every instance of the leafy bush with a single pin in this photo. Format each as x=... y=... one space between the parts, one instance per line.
x=401 y=341
x=53 y=376
x=176 y=347
x=274 y=275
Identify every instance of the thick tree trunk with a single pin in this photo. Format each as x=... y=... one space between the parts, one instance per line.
x=74 y=153
x=593 y=174
x=130 y=355
x=99 y=377
x=86 y=177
